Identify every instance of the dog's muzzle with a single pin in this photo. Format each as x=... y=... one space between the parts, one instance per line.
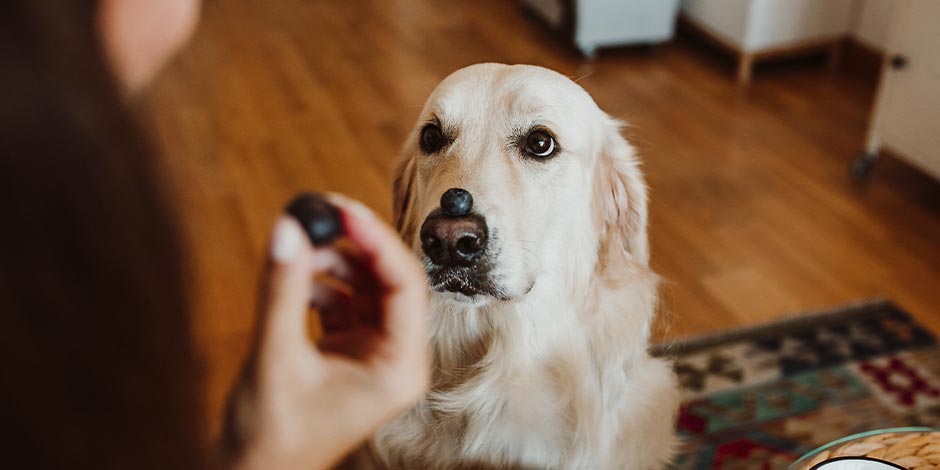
x=454 y=240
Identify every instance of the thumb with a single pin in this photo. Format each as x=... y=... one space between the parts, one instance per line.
x=287 y=288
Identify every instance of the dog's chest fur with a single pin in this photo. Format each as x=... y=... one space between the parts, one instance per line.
x=506 y=398
x=522 y=386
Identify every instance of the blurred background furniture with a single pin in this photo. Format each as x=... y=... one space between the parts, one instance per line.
x=906 y=117
x=756 y=30
x=599 y=23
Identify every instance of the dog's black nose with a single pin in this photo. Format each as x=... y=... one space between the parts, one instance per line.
x=450 y=241
x=456 y=202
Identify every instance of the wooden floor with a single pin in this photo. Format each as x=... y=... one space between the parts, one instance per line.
x=754 y=215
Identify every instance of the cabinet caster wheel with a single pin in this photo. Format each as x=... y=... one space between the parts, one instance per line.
x=863 y=164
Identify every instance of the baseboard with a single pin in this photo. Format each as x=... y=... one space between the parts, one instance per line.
x=862 y=59
x=564 y=31
x=688 y=25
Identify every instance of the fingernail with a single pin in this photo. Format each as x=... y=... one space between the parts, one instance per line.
x=362 y=210
x=286 y=240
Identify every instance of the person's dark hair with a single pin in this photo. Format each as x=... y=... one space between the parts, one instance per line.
x=97 y=369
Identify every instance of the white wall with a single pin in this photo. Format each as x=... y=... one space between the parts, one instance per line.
x=871 y=23
x=726 y=19
x=757 y=24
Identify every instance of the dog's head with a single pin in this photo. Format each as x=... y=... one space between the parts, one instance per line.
x=512 y=178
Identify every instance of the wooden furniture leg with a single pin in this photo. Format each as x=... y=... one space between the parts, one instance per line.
x=836 y=51
x=745 y=68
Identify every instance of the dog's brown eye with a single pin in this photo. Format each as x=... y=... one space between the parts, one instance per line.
x=540 y=144
x=432 y=139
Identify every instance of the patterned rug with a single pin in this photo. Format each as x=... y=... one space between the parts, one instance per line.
x=758 y=399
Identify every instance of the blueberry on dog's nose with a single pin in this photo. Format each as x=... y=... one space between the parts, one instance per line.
x=456 y=202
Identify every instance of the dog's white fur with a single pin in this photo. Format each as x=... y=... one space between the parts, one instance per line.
x=557 y=377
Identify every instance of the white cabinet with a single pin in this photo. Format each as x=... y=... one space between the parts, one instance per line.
x=906 y=118
x=599 y=23
x=760 y=29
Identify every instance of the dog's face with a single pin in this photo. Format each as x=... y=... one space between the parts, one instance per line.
x=512 y=178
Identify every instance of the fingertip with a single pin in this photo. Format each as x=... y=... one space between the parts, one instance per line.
x=363 y=227
x=354 y=213
x=287 y=240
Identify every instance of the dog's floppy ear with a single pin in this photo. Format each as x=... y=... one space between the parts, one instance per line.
x=621 y=194
x=403 y=197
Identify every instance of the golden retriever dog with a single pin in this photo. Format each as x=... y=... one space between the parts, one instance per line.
x=529 y=212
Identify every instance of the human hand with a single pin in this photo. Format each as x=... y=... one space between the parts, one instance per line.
x=301 y=405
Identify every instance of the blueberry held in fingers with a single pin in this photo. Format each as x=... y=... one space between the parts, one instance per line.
x=320 y=219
